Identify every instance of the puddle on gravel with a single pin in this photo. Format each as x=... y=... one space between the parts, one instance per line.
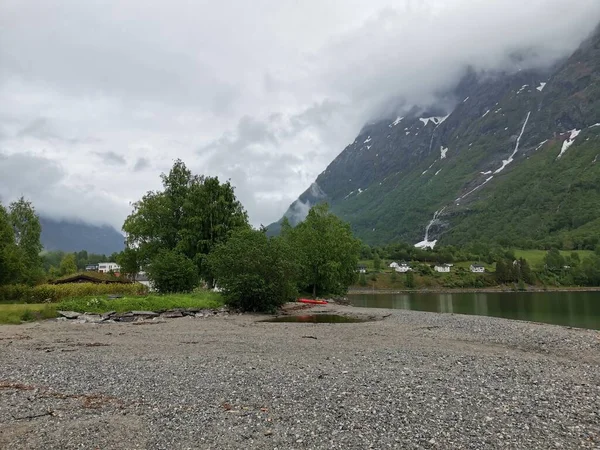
x=317 y=318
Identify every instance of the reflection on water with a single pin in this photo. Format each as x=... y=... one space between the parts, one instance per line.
x=576 y=309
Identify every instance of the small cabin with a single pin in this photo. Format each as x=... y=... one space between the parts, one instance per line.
x=403 y=267
x=442 y=268
x=477 y=268
x=361 y=269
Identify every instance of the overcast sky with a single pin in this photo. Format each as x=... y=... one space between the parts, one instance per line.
x=97 y=98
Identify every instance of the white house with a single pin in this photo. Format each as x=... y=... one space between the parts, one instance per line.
x=361 y=269
x=477 y=268
x=393 y=265
x=402 y=267
x=442 y=268
x=106 y=267
x=142 y=278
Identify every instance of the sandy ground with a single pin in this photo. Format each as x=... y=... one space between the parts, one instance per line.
x=406 y=380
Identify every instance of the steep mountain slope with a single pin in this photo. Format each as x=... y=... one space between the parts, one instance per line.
x=513 y=162
x=76 y=236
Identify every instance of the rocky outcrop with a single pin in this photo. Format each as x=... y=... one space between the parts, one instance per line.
x=140 y=316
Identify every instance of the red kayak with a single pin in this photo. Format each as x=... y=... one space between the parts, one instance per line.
x=312 y=302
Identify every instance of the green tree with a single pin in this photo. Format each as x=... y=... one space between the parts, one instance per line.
x=362 y=279
x=526 y=273
x=327 y=252
x=575 y=260
x=171 y=271
x=255 y=272
x=190 y=215
x=10 y=261
x=377 y=262
x=27 y=230
x=129 y=262
x=67 y=265
x=554 y=261
x=410 y=280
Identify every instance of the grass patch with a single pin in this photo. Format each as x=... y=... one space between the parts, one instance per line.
x=202 y=300
x=57 y=292
x=19 y=313
x=535 y=258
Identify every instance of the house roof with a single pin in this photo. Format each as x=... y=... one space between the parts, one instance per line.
x=90 y=277
x=480 y=266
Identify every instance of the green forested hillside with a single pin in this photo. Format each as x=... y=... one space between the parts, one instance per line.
x=488 y=167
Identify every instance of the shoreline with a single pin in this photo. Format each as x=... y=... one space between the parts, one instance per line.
x=489 y=290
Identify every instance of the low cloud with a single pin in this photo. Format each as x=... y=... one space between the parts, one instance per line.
x=267 y=107
x=45 y=183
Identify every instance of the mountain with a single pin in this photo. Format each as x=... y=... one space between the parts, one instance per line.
x=515 y=161
x=76 y=236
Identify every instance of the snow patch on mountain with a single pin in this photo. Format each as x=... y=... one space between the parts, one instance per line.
x=443 y=151
x=486 y=113
x=522 y=88
x=367 y=140
x=434 y=120
x=540 y=145
x=396 y=122
x=510 y=159
x=541 y=86
x=568 y=142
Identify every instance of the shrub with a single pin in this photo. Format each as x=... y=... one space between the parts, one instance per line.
x=362 y=279
x=57 y=292
x=256 y=273
x=171 y=271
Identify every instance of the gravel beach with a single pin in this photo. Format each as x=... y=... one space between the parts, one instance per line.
x=407 y=380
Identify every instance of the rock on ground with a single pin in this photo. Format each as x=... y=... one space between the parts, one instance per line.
x=411 y=380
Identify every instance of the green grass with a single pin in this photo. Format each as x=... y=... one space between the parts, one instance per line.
x=18 y=313
x=535 y=258
x=202 y=300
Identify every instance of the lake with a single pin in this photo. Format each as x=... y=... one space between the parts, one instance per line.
x=575 y=309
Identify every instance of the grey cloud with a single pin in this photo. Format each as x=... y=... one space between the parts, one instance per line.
x=268 y=106
x=43 y=181
x=44 y=129
x=28 y=173
x=111 y=158
x=141 y=164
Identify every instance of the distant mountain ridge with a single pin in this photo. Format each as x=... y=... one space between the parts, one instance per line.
x=516 y=162
x=71 y=236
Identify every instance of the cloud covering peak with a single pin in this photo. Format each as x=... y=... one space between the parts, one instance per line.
x=263 y=93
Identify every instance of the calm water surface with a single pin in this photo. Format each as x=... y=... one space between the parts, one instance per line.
x=575 y=309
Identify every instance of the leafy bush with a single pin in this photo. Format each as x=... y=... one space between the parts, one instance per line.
x=171 y=271
x=255 y=273
x=57 y=292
